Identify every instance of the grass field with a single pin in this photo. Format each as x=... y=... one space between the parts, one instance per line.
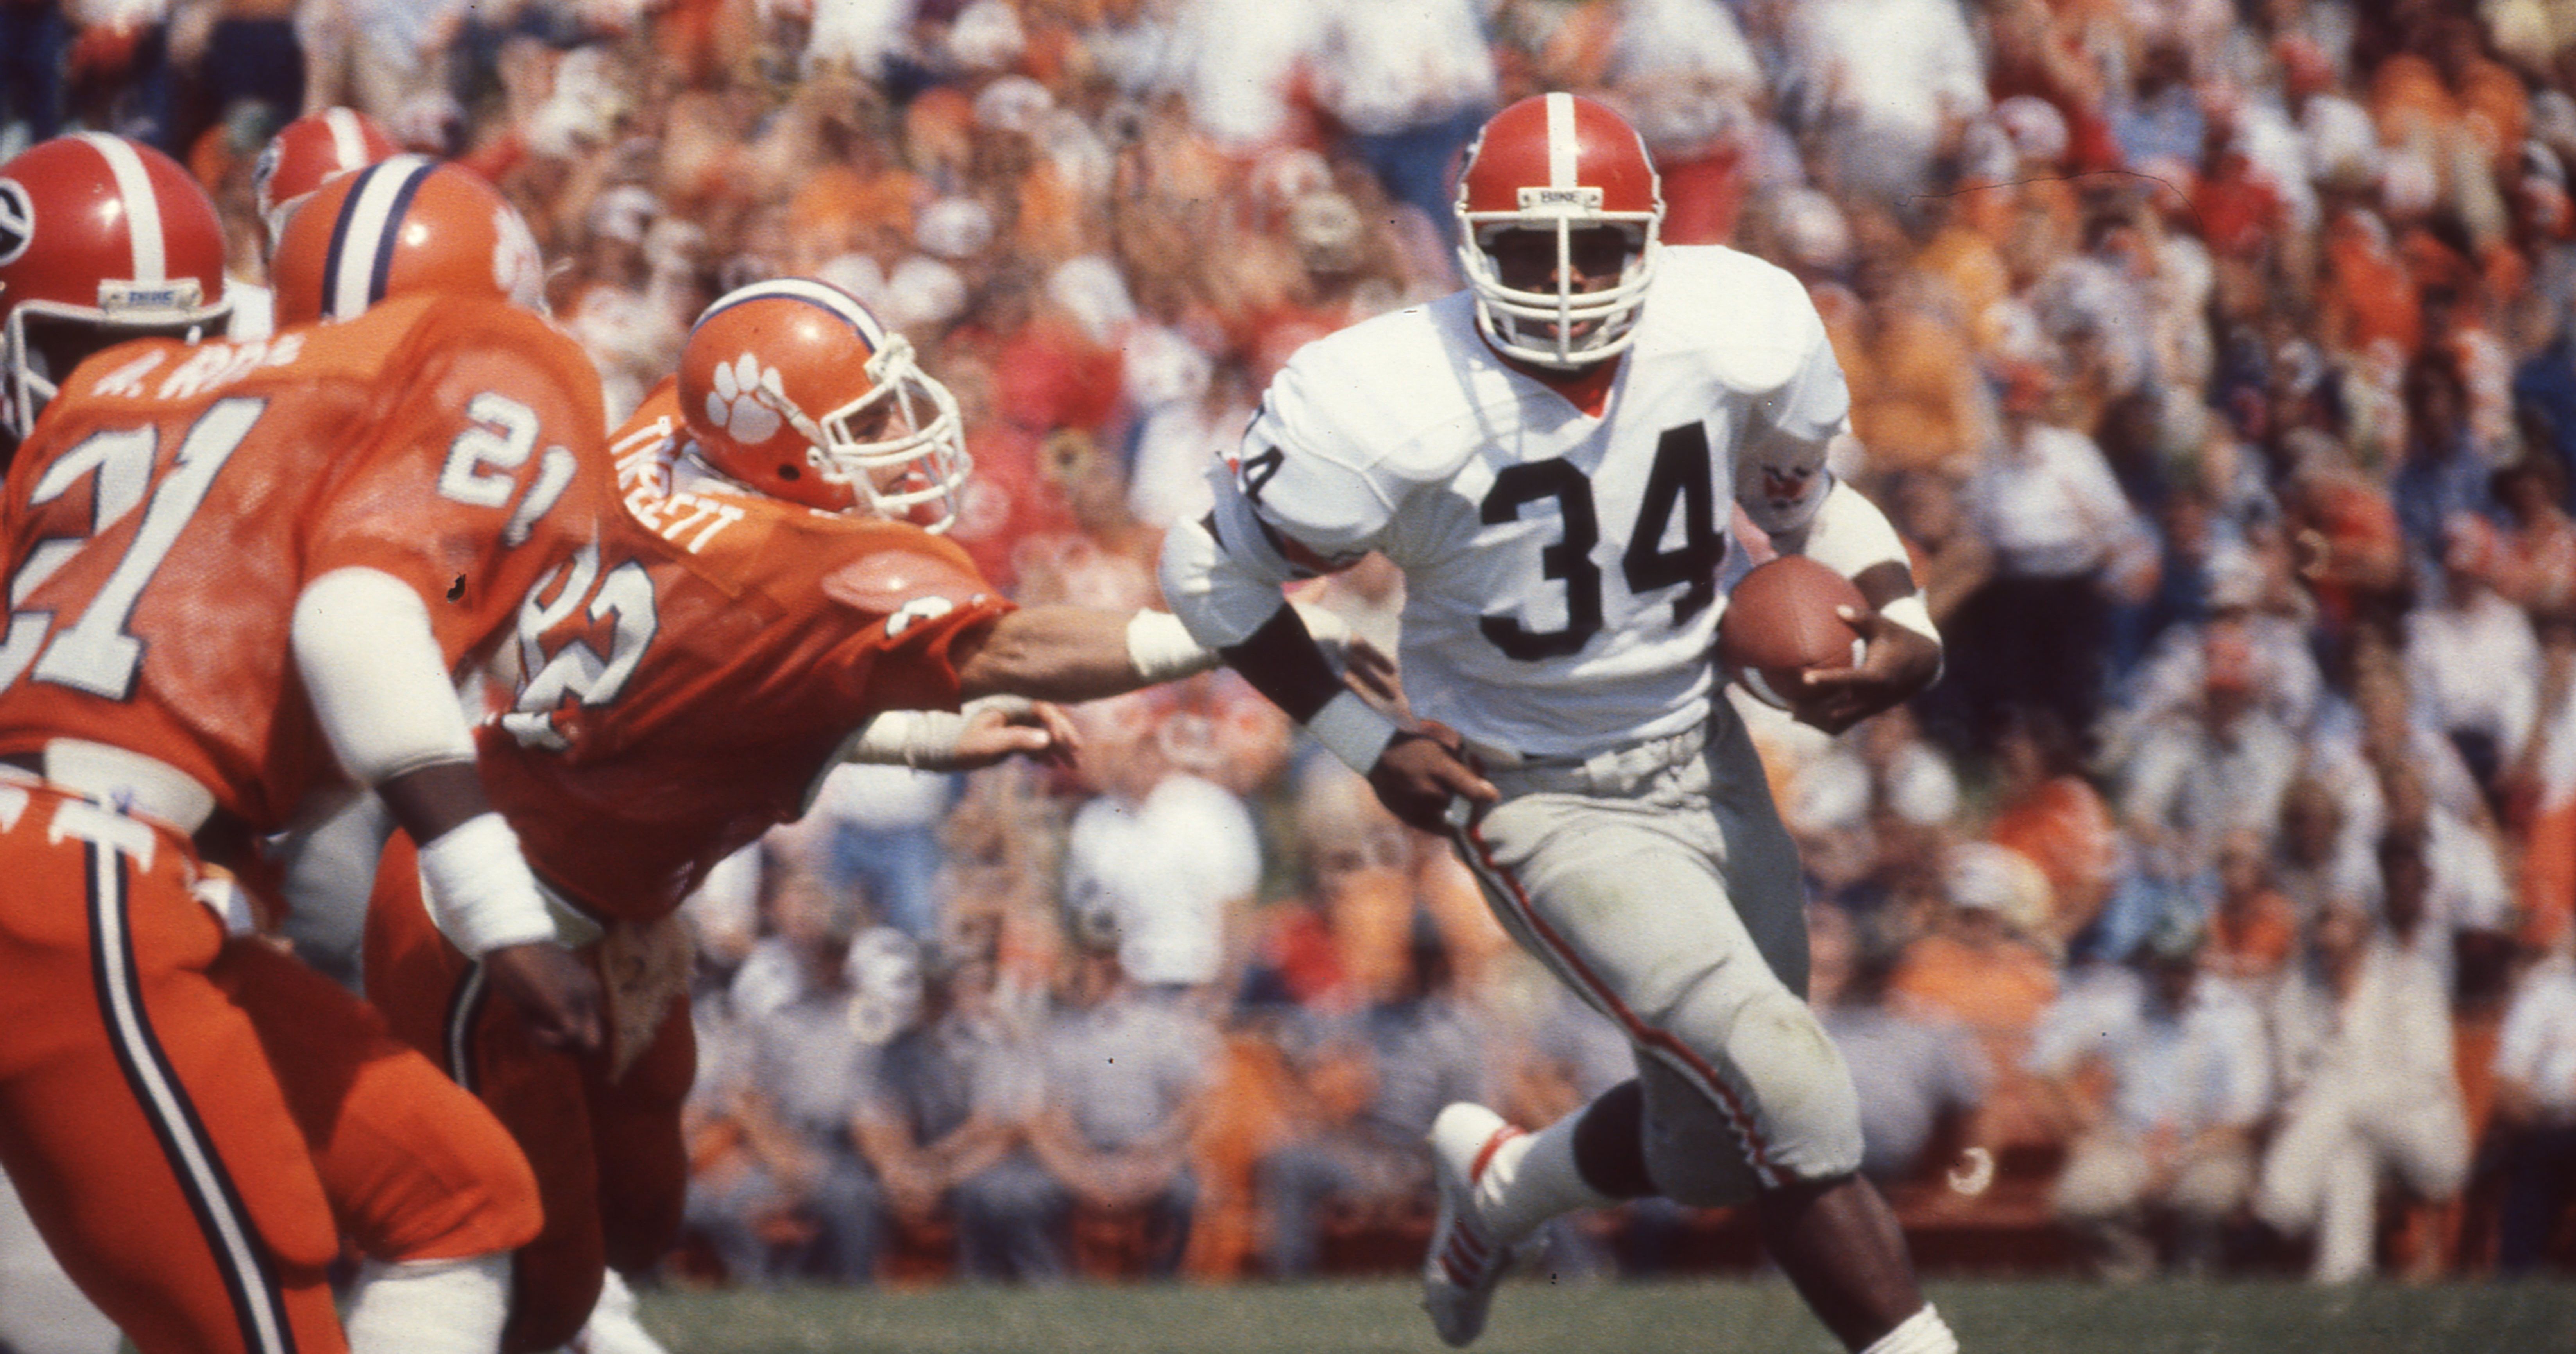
x=1711 y=1317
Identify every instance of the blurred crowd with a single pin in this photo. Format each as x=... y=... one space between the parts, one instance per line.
x=2216 y=359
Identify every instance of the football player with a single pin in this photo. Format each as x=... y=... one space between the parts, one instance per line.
x=774 y=598
x=241 y=574
x=1549 y=456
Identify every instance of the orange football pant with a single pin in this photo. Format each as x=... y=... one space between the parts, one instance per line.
x=139 y=1115
x=610 y=1162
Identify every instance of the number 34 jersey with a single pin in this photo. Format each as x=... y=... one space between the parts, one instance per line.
x=176 y=499
x=1560 y=569
x=687 y=685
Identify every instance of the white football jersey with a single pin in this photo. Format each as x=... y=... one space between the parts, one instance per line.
x=1561 y=570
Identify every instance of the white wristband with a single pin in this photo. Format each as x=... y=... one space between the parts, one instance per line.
x=1162 y=650
x=1909 y=611
x=1351 y=730
x=925 y=740
x=479 y=890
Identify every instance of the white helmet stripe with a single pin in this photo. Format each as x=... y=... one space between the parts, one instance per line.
x=142 y=205
x=362 y=240
x=1560 y=141
x=348 y=143
x=829 y=298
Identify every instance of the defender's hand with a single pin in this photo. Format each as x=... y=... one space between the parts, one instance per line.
x=557 y=993
x=1896 y=663
x=997 y=731
x=1421 y=772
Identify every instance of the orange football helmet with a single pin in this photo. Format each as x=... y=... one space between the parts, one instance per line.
x=1558 y=163
x=793 y=388
x=101 y=240
x=309 y=152
x=407 y=226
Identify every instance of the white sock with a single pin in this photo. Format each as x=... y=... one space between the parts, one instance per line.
x=430 y=1306
x=1531 y=1179
x=1922 y=1333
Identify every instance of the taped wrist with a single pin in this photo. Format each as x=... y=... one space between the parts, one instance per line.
x=479 y=890
x=925 y=740
x=1352 y=731
x=1909 y=611
x=1162 y=650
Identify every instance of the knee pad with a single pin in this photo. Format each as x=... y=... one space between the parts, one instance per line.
x=1774 y=1106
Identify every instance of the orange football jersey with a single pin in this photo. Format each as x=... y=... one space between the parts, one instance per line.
x=685 y=687
x=176 y=498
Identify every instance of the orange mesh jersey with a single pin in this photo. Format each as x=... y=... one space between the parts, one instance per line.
x=176 y=499
x=686 y=687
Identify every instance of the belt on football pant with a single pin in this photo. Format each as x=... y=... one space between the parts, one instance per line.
x=137 y=786
x=1618 y=770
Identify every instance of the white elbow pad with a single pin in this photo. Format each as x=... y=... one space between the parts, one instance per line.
x=1220 y=601
x=372 y=668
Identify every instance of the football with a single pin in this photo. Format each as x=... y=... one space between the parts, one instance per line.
x=1781 y=621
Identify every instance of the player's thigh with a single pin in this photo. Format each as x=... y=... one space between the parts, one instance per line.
x=416 y=1168
x=1635 y=919
x=138 y=1113
x=636 y=1138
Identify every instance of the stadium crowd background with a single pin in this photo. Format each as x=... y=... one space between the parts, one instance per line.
x=2216 y=359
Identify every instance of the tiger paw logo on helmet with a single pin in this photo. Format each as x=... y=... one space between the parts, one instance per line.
x=736 y=406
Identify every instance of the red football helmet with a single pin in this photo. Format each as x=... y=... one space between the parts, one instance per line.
x=310 y=152
x=407 y=226
x=101 y=240
x=792 y=388
x=1558 y=163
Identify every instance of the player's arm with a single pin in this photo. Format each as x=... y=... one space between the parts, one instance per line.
x=1782 y=483
x=1074 y=654
x=372 y=665
x=1222 y=576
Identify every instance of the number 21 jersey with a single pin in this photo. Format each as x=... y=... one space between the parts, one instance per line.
x=177 y=498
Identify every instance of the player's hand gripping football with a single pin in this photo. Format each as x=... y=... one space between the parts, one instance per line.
x=1422 y=772
x=1895 y=663
x=555 y=991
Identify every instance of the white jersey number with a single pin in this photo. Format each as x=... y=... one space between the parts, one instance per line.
x=95 y=653
x=1680 y=479
x=577 y=673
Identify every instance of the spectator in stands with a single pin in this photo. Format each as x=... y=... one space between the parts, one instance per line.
x=2046 y=810
x=1123 y=1085
x=1409 y=85
x=2252 y=929
x=2199 y=773
x=942 y=1123
x=2473 y=659
x=1170 y=858
x=2067 y=542
x=1374 y=1078
x=2535 y=1069
x=798 y=1199
x=1980 y=967
x=1913 y=1071
x=2363 y=1040
x=2189 y=1081
x=1885 y=109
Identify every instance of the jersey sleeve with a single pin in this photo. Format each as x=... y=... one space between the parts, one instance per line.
x=489 y=463
x=1780 y=475
x=906 y=605
x=1300 y=497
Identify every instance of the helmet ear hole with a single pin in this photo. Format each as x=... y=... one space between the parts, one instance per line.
x=789 y=470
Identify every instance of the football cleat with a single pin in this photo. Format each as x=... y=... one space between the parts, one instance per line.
x=1466 y=1260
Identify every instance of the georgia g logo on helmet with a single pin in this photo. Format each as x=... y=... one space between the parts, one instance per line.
x=17 y=220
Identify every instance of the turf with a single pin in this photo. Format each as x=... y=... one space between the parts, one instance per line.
x=1716 y=1317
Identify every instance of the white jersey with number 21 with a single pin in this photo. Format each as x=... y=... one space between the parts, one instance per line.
x=1561 y=570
